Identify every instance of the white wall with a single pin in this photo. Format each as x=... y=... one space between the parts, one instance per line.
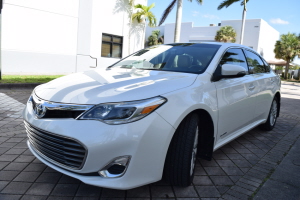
x=267 y=39
x=39 y=30
x=251 y=32
x=62 y=36
x=258 y=34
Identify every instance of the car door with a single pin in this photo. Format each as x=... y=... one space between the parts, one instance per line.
x=264 y=79
x=236 y=97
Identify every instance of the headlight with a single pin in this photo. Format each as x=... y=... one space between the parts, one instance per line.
x=124 y=112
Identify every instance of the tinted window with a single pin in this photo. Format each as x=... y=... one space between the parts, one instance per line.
x=181 y=57
x=235 y=57
x=255 y=64
x=267 y=66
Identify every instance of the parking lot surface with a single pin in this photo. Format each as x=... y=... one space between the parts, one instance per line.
x=245 y=168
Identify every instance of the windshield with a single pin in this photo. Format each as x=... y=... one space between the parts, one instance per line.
x=187 y=57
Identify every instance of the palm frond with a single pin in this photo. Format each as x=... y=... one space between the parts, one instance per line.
x=226 y=3
x=167 y=12
x=198 y=1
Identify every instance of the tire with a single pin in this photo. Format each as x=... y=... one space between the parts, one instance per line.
x=181 y=157
x=272 y=118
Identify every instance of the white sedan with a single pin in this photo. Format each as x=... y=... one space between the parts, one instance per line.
x=149 y=115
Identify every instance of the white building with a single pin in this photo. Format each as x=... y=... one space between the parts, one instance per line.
x=66 y=36
x=258 y=34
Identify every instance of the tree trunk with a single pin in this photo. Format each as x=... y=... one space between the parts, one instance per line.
x=178 y=21
x=287 y=67
x=243 y=23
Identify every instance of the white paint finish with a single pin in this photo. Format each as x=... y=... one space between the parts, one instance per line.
x=231 y=103
x=134 y=139
x=229 y=69
x=100 y=86
x=38 y=31
x=63 y=7
x=236 y=103
x=17 y=62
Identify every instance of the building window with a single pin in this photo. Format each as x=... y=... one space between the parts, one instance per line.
x=111 y=46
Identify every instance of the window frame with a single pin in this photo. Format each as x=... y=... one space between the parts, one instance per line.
x=111 y=43
x=217 y=72
x=251 y=71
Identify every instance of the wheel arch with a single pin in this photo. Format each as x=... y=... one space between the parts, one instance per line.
x=206 y=133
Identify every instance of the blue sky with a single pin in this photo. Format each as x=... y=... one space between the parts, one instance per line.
x=284 y=16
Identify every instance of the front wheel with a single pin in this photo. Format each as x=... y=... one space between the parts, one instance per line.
x=182 y=152
x=272 y=118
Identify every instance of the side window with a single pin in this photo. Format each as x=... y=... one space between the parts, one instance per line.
x=267 y=66
x=255 y=63
x=235 y=57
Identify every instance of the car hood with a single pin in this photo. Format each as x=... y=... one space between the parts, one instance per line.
x=112 y=85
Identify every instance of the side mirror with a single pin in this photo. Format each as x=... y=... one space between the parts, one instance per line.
x=232 y=70
x=228 y=71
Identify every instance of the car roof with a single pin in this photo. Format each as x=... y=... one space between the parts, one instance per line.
x=224 y=45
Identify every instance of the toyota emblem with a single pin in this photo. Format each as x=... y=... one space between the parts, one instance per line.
x=40 y=110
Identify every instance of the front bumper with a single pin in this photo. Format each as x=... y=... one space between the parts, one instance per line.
x=146 y=141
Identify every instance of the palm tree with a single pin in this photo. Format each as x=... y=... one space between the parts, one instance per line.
x=227 y=3
x=225 y=34
x=154 y=38
x=287 y=48
x=178 y=16
x=144 y=14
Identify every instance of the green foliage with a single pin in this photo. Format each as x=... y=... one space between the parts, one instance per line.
x=287 y=48
x=225 y=34
x=278 y=67
x=144 y=14
x=228 y=3
x=295 y=67
x=28 y=78
x=154 y=38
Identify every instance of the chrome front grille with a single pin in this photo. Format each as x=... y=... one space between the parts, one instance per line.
x=48 y=109
x=56 y=149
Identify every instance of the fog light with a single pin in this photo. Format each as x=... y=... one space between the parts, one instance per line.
x=115 y=168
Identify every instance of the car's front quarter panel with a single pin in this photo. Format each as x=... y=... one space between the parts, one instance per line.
x=146 y=141
x=200 y=95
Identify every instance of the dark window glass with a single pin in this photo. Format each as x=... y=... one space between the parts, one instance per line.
x=255 y=63
x=267 y=66
x=235 y=57
x=111 y=46
x=105 y=52
x=180 y=57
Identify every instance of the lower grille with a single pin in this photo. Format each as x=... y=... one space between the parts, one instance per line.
x=59 y=150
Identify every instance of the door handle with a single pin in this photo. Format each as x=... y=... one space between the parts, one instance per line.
x=251 y=87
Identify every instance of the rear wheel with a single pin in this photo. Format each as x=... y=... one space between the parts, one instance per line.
x=181 y=158
x=272 y=118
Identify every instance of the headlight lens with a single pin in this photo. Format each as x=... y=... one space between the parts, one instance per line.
x=124 y=112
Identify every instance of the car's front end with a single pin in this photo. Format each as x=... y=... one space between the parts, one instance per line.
x=106 y=127
x=115 y=156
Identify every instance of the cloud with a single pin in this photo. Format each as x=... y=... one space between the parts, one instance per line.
x=210 y=16
x=195 y=13
x=278 y=21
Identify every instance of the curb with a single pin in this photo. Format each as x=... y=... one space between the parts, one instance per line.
x=18 y=85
